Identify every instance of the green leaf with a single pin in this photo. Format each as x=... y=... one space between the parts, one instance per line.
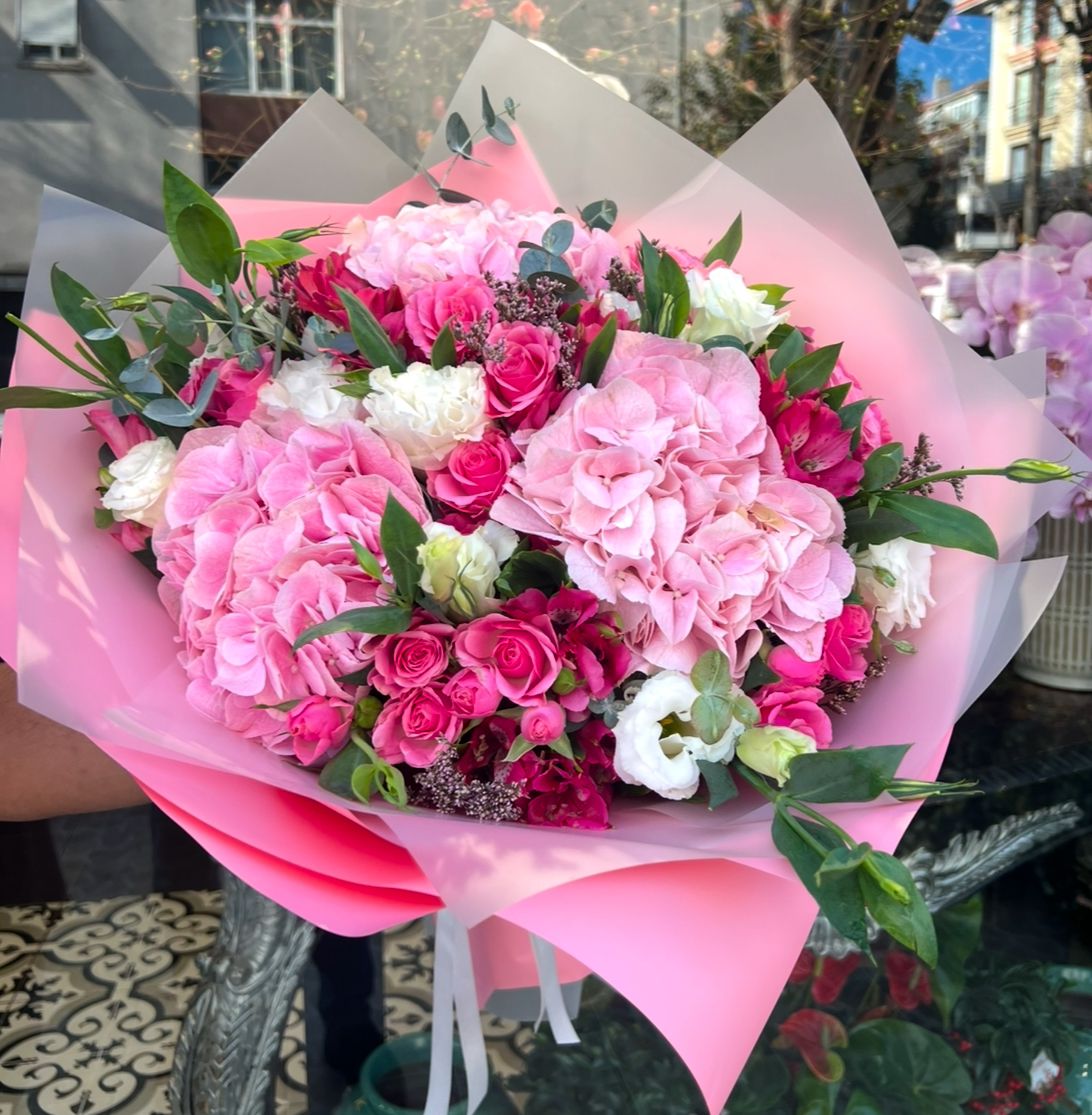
x=718 y=781
x=274 y=252
x=764 y=1083
x=367 y=560
x=836 y=396
x=791 y=349
x=371 y=338
x=600 y=214
x=528 y=569
x=489 y=116
x=884 y=880
x=520 y=746
x=727 y=247
x=70 y=297
x=183 y=321
x=558 y=238
x=337 y=775
x=711 y=716
x=104 y=519
x=362 y=782
x=208 y=245
x=598 y=352
x=378 y=619
x=562 y=746
x=882 y=466
x=649 y=259
x=852 y=414
x=840 y=898
x=723 y=341
x=959 y=930
x=47 y=398
x=861 y=1103
x=842 y=861
x=812 y=370
x=815 y=1096
x=200 y=303
x=854 y=774
x=391 y=784
x=759 y=674
x=675 y=294
x=712 y=674
x=400 y=535
x=180 y=193
x=865 y=529
x=443 y=348
x=915 y=1071
x=942 y=524
x=457 y=136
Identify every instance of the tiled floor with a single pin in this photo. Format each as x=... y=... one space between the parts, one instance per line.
x=92 y=996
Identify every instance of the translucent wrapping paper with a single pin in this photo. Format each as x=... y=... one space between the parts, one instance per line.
x=691 y=915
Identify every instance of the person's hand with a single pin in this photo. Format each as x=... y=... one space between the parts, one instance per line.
x=47 y=770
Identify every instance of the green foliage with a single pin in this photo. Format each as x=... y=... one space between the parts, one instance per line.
x=526 y=569
x=200 y=231
x=727 y=247
x=598 y=352
x=371 y=338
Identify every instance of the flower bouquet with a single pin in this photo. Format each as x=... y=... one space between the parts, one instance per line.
x=516 y=553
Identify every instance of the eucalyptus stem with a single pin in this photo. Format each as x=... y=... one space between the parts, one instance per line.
x=822 y=819
x=55 y=352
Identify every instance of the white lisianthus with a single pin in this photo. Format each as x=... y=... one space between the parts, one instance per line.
x=722 y=304
x=893 y=578
x=309 y=388
x=459 y=570
x=1043 y=1072
x=428 y=411
x=140 y=480
x=770 y=750
x=666 y=763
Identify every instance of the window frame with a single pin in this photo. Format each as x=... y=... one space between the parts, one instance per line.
x=58 y=56
x=1012 y=152
x=1016 y=118
x=251 y=20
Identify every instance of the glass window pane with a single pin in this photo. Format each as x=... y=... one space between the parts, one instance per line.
x=1019 y=164
x=269 y=51
x=1046 y=154
x=314 y=62
x=224 y=55
x=213 y=8
x=313 y=9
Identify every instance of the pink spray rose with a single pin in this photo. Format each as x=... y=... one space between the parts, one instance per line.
x=463 y=302
x=474 y=474
x=317 y=725
x=411 y=658
x=845 y=642
x=789 y=706
x=416 y=727
x=542 y=723
x=236 y=392
x=471 y=695
x=525 y=371
x=521 y=657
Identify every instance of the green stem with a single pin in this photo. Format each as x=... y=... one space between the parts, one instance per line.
x=781 y=803
x=759 y=783
x=940 y=477
x=822 y=819
x=800 y=831
x=35 y=336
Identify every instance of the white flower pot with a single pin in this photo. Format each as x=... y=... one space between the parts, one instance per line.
x=1058 y=651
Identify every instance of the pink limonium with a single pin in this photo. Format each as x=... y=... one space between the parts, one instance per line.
x=317 y=725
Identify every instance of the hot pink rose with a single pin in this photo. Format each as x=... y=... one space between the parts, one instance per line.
x=789 y=706
x=542 y=723
x=474 y=473
x=463 y=301
x=416 y=727
x=236 y=392
x=411 y=658
x=845 y=642
x=525 y=372
x=318 y=724
x=471 y=695
x=520 y=656
x=120 y=434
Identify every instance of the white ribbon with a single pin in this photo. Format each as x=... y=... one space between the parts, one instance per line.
x=553 y=1002
x=454 y=988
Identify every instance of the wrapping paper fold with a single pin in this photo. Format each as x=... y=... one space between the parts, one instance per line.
x=640 y=904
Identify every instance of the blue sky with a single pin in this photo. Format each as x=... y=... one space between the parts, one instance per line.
x=960 y=51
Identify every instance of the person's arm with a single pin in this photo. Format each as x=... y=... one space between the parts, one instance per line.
x=49 y=771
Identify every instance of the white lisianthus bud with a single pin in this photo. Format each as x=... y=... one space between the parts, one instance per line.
x=459 y=570
x=428 y=411
x=770 y=750
x=893 y=578
x=722 y=304
x=309 y=388
x=140 y=480
x=665 y=760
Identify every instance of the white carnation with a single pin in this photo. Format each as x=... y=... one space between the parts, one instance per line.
x=666 y=764
x=140 y=482
x=428 y=411
x=309 y=388
x=722 y=304
x=893 y=578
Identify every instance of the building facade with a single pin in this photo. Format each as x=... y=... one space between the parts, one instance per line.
x=1065 y=124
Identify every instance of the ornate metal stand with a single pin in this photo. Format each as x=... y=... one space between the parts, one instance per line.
x=225 y=1055
x=225 y=1060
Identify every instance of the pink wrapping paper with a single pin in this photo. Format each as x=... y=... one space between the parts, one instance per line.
x=94 y=649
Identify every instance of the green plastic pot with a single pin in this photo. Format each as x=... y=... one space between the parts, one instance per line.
x=394 y=1081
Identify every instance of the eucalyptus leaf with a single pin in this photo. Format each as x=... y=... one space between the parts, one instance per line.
x=712 y=673
x=942 y=524
x=718 y=781
x=457 y=136
x=882 y=466
x=489 y=116
x=600 y=214
x=502 y=132
x=853 y=774
x=711 y=716
x=103 y=334
x=558 y=238
x=723 y=341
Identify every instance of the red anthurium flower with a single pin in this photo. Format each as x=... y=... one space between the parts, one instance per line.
x=831 y=975
x=907 y=980
x=813 y=1034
